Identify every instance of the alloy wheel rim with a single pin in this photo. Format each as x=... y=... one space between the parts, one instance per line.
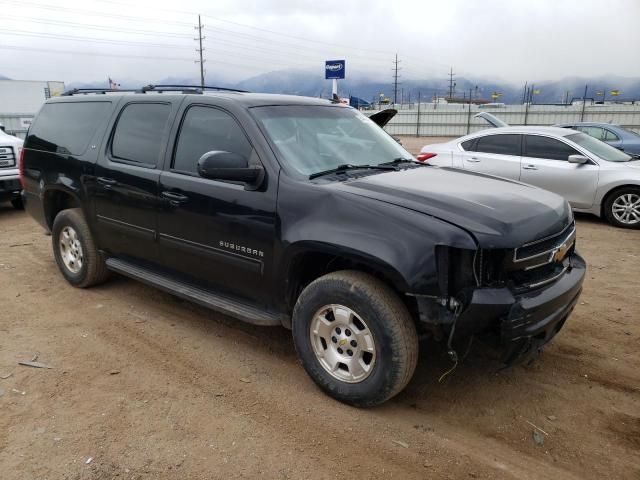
x=342 y=343
x=626 y=208
x=71 y=250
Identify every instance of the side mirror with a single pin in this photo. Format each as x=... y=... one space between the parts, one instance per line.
x=580 y=159
x=221 y=165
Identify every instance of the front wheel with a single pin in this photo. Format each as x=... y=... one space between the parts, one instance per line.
x=355 y=338
x=622 y=208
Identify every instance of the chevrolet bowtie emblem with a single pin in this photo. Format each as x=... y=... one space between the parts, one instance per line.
x=342 y=342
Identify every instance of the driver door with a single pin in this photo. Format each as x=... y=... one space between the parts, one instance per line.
x=545 y=164
x=217 y=234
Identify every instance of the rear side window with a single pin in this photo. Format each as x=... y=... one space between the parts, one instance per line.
x=66 y=128
x=207 y=129
x=550 y=148
x=501 y=144
x=609 y=136
x=468 y=145
x=139 y=131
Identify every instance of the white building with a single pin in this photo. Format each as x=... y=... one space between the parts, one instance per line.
x=21 y=99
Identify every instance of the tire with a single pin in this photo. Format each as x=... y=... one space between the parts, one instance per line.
x=76 y=255
x=347 y=301
x=614 y=208
x=17 y=203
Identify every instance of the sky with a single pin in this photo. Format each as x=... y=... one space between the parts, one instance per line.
x=146 y=40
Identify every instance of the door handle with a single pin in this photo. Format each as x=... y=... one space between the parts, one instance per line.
x=107 y=182
x=473 y=159
x=175 y=199
x=530 y=167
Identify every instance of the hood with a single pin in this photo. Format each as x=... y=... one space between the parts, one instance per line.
x=7 y=139
x=491 y=119
x=499 y=213
x=383 y=117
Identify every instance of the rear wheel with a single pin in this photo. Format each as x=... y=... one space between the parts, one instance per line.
x=355 y=338
x=622 y=208
x=75 y=251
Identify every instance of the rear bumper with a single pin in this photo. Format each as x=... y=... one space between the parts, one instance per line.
x=525 y=321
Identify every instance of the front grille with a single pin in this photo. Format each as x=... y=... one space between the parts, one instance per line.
x=537 y=277
x=540 y=248
x=7 y=157
x=542 y=261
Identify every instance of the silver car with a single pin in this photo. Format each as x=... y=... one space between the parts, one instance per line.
x=593 y=176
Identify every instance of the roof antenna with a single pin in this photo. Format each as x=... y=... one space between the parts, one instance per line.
x=335 y=98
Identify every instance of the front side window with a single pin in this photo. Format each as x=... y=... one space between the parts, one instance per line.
x=548 y=148
x=507 y=144
x=601 y=149
x=311 y=139
x=139 y=131
x=206 y=129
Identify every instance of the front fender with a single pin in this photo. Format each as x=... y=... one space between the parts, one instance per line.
x=397 y=242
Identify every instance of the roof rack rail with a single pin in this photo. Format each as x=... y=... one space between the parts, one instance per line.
x=197 y=88
x=76 y=91
x=150 y=88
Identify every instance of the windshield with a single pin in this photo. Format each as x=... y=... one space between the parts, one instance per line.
x=312 y=139
x=601 y=149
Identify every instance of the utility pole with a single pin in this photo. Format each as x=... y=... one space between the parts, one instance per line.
x=200 y=51
x=584 y=102
x=395 y=79
x=452 y=84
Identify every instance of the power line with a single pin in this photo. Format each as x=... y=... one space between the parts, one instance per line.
x=94 y=13
x=56 y=36
x=88 y=26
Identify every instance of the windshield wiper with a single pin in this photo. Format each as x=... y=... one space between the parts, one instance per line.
x=398 y=160
x=348 y=166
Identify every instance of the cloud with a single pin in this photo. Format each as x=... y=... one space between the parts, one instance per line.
x=513 y=41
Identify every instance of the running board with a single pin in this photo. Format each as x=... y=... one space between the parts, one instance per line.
x=219 y=303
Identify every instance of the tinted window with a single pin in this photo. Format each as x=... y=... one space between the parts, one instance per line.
x=609 y=136
x=204 y=130
x=601 y=149
x=595 y=132
x=545 y=147
x=501 y=144
x=139 y=131
x=66 y=127
x=468 y=145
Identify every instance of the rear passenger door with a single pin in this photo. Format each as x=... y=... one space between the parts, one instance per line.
x=497 y=154
x=545 y=164
x=127 y=175
x=218 y=234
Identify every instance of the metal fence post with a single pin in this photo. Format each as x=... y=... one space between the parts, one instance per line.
x=418 y=117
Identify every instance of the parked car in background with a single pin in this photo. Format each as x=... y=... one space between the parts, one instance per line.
x=593 y=176
x=614 y=135
x=10 y=149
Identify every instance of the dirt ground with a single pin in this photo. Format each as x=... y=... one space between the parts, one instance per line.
x=146 y=386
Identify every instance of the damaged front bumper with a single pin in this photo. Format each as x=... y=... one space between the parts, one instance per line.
x=523 y=320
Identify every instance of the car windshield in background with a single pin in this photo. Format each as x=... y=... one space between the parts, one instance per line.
x=312 y=139
x=601 y=149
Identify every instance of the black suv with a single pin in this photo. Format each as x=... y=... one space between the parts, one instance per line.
x=284 y=210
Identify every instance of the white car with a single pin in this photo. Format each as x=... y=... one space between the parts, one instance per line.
x=10 y=148
x=593 y=176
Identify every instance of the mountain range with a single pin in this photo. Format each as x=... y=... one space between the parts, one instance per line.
x=310 y=83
